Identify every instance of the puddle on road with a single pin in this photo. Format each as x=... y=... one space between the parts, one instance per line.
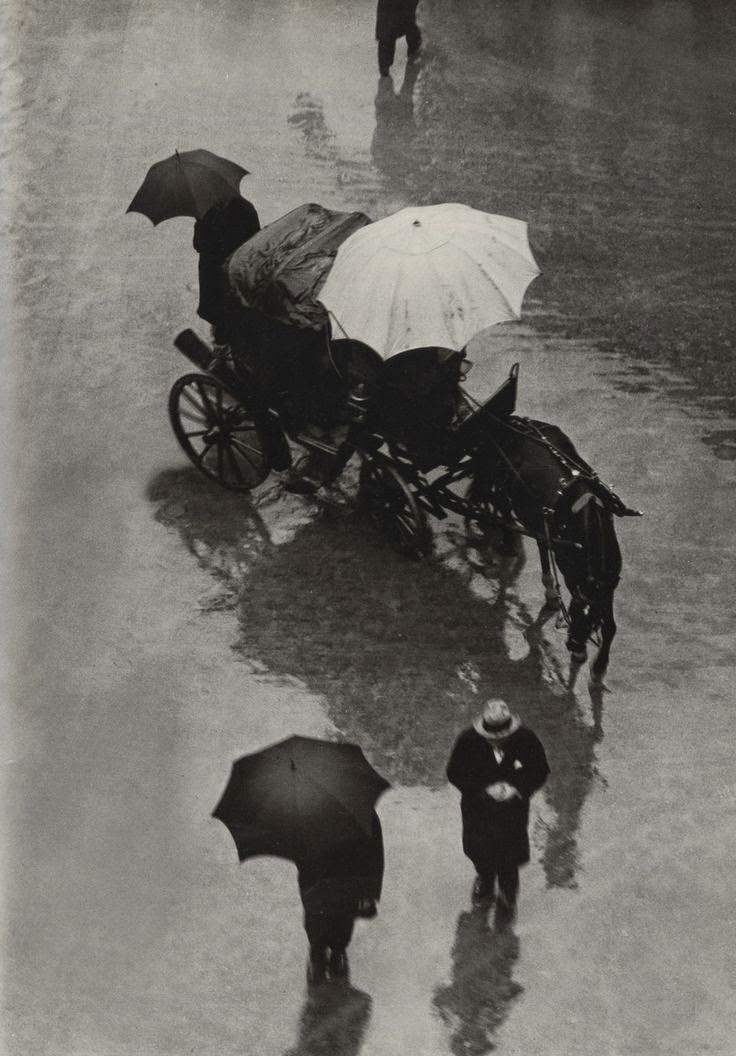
x=722 y=443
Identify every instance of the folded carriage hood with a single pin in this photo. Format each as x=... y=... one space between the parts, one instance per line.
x=281 y=270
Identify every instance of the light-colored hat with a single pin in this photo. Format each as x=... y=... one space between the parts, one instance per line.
x=496 y=722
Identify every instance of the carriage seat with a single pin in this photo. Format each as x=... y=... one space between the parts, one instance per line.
x=418 y=391
x=471 y=428
x=416 y=400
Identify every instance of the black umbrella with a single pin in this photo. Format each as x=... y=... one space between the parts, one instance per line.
x=299 y=798
x=187 y=184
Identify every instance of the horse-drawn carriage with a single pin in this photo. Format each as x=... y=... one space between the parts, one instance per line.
x=426 y=447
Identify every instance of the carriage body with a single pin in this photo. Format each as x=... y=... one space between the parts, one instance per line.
x=276 y=389
x=282 y=382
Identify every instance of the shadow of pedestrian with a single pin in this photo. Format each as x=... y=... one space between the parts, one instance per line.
x=393 y=139
x=333 y=1022
x=477 y=1000
x=402 y=652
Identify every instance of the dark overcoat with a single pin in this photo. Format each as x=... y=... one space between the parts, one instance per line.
x=335 y=883
x=472 y=767
x=216 y=235
x=394 y=18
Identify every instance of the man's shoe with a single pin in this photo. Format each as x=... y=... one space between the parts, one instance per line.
x=338 y=964
x=482 y=889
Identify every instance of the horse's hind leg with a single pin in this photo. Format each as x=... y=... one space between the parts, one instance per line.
x=551 y=593
x=608 y=632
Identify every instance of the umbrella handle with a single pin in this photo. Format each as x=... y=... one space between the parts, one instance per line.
x=338 y=323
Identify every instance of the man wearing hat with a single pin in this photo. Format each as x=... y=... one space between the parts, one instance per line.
x=497 y=764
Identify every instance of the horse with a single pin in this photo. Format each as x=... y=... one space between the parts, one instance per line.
x=529 y=478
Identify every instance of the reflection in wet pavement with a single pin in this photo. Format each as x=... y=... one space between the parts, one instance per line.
x=393 y=140
x=333 y=1021
x=621 y=160
x=477 y=1000
x=401 y=651
x=352 y=176
x=609 y=127
x=308 y=116
x=723 y=444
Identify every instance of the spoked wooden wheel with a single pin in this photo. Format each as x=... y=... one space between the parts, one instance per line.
x=217 y=433
x=390 y=503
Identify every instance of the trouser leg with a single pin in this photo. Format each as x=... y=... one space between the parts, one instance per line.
x=328 y=931
x=485 y=867
x=318 y=937
x=340 y=932
x=386 y=53
x=413 y=40
x=508 y=881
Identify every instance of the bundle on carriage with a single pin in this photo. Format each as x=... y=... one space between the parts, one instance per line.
x=313 y=361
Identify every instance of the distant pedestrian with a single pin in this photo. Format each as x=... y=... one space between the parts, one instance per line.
x=394 y=19
x=497 y=764
x=336 y=889
x=222 y=229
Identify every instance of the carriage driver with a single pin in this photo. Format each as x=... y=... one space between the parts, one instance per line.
x=217 y=234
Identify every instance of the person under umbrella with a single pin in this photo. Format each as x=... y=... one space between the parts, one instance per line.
x=217 y=234
x=313 y=802
x=337 y=888
x=497 y=764
x=205 y=186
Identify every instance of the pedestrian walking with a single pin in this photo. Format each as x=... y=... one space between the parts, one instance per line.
x=336 y=889
x=497 y=764
x=394 y=19
x=224 y=227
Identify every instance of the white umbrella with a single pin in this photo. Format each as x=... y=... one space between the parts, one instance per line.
x=430 y=275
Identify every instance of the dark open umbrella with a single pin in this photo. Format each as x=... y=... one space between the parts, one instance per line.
x=187 y=184
x=299 y=798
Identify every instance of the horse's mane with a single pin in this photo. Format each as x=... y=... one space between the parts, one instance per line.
x=555 y=442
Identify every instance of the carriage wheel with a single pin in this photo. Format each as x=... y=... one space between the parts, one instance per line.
x=391 y=505
x=217 y=433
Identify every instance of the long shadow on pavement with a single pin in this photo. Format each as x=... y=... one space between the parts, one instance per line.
x=477 y=1000
x=387 y=642
x=333 y=1021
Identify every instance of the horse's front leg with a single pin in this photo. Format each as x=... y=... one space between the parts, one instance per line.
x=608 y=632
x=551 y=593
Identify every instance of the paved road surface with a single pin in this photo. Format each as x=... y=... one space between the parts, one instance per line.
x=160 y=628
